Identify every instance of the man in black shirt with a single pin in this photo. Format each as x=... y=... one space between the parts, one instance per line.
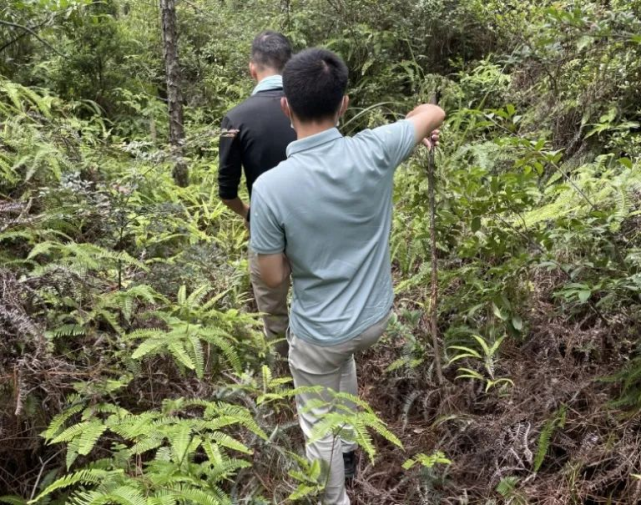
x=255 y=137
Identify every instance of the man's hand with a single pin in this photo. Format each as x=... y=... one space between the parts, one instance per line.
x=239 y=207
x=426 y=119
x=432 y=141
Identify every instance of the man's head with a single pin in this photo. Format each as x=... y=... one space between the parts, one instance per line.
x=270 y=52
x=314 y=82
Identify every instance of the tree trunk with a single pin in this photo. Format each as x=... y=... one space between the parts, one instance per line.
x=174 y=96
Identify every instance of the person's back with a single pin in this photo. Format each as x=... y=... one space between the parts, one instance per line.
x=255 y=135
x=340 y=191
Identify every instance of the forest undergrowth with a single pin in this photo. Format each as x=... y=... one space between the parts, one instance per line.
x=133 y=369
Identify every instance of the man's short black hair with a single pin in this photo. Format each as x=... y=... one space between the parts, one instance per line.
x=314 y=82
x=271 y=49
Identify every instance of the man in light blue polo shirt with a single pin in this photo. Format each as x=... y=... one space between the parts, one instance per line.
x=324 y=215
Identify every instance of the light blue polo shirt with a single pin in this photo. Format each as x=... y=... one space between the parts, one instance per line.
x=328 y=207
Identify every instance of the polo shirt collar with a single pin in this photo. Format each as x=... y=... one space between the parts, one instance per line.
x=313 y=141
x=269 y=83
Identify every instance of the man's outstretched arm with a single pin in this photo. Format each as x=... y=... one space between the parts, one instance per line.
x=426 y=119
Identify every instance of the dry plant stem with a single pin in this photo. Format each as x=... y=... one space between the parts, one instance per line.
x=433 y=255
x=42 y=467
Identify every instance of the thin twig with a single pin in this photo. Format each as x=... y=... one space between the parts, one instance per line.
x=13 y=41
x=44 y=465
x=31 y=32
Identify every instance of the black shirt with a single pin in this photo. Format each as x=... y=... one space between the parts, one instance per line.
x=255 y=135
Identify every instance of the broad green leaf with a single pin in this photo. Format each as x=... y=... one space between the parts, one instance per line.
x=497 y=312
x=626 y=162
x=517 y=322
x=584 y=295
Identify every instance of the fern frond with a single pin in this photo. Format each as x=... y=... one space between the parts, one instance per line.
x=72 y=452
x=373 y=422
x=226 y=347
x=427 y=461
x=199 y=355
x=71 y=433
x=144 y=424
x=42 y=248
x=180 y=354
x=229 y=442
x=162 y=498
x=226 y=468
x=90 y=436
x=13 y=500
x=182 y=295
x=546 y=435
x=213 y=496
x=147 y=444
x=88 y=476
x=105 y=408
x=146 y=333
x=180 y=438
x=129 y=496
x=196 y=296
x=151 y=346
x=303 y=491
x=66 y=330
x=58 y=421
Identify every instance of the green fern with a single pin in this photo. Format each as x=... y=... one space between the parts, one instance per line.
x=13 y=500
x=87 y=476
x=124 y=495
x=58 y=421
x=175 y=435
x=427 y=461
x=630 y=379
x=202 y=497
x=183 y=342
x=225 y=440
x=557 y=421
x=309 y=478
x=343 y=421
x=162 y=498
x=66 y=330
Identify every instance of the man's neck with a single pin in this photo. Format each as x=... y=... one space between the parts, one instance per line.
x=304 y=130
x=265 y=74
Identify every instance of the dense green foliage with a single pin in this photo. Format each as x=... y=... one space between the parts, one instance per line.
x=132 y=363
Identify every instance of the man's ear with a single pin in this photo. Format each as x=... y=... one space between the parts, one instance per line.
x=344 y=105
x=252 y=70
x=285 y=106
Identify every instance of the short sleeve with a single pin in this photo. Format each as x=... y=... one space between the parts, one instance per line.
x=398 y=141
x=267 y=234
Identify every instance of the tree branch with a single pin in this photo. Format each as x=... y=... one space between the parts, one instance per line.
x=31 y=32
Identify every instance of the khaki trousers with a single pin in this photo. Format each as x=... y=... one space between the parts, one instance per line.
x=333 y=368
x=273 y=303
